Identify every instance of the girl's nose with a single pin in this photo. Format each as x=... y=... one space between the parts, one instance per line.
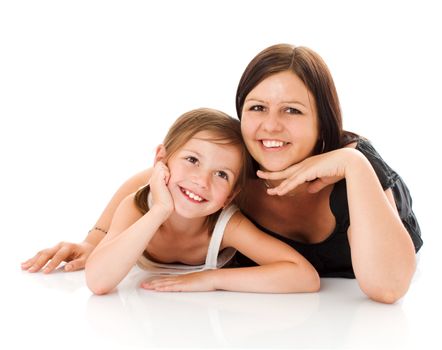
x=201 y=178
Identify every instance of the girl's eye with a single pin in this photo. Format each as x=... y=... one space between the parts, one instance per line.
x=192 y=160
x=222 y=174
x=292 y=110
x=257 y=108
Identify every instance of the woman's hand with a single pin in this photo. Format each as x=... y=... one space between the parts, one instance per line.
x=161 y=196
x=192 y=282
x=318 y=171
x=75 y=254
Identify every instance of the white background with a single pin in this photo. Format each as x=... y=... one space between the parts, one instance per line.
x=89 y=88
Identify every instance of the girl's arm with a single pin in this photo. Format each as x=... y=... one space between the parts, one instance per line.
x=76 y=254
x=282 y=270
x=128 y=236
x=382 y=251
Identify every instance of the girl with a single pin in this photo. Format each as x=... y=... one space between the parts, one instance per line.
x=184 y=216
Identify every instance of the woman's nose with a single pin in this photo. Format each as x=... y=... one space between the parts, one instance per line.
x=272 y=122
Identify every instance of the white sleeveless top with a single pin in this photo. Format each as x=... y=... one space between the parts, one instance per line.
x=214 y=259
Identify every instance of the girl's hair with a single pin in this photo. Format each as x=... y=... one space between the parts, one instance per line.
x=224 y=130
x=314 y=73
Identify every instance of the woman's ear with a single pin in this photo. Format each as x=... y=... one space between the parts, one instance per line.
x=160 y=154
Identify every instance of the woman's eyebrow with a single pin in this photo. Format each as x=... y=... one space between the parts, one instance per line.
x=282 y=102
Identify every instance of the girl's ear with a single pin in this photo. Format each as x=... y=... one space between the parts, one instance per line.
x=160 y=154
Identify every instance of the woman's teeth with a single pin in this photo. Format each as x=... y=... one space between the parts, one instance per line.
x=272 y=143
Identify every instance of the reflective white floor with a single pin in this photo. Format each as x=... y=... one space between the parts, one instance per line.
x=58 y=311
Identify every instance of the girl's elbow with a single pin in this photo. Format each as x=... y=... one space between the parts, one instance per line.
x=95 y=285
x=315 y=282
x=97 y=288
x=308 y=281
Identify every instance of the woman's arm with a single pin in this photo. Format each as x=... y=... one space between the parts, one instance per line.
x=104 y=221
x=383 y=254
x=282 y=270
x=382 y=251
x=128 y=236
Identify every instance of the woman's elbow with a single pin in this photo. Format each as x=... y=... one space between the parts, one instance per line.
x=386 y=294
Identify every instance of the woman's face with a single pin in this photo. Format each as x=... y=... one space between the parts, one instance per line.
x=279 y=122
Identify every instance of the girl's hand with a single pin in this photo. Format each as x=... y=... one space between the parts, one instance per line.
x=161 y=196
x=192 y=282
x=74 y=254
x=318 y=171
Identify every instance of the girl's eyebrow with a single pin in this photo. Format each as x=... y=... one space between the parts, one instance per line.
x=201 y=156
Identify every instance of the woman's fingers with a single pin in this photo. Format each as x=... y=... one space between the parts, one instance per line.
x=62 y=254
x=40 y=260
x=275 y=175
x=75 y=265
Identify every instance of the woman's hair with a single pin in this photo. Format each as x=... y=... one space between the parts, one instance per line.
x=314 y=73
x=224 y=130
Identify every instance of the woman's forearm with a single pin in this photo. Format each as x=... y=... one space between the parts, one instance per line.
x=279 y=277
x=382 y=251
x=103 y=223
x=112 y=260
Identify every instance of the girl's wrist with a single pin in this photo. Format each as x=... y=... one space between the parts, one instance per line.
x=161 y=212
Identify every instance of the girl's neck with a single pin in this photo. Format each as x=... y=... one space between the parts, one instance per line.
x=183 y=226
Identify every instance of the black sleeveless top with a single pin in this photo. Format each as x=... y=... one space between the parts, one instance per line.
x=331 y=257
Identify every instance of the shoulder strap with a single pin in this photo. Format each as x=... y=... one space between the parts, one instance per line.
x=217 y=236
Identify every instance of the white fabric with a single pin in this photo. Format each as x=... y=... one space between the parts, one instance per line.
x=214 y=258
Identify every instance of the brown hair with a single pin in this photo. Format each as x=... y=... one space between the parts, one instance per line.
x=225 y=129
x=314 y=73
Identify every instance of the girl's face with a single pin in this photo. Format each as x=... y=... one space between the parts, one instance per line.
x=279 y=122
x=202 y=175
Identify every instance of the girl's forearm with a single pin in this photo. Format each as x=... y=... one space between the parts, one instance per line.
x=279 y=277
x=112 y=260
x=382 y=251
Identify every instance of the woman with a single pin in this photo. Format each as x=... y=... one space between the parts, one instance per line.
x=324 y=191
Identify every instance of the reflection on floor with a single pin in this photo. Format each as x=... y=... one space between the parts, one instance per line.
x=59 y=311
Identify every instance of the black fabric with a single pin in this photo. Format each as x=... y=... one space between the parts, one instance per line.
x=332 y=257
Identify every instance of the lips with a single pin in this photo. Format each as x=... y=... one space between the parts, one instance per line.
x=193 y=197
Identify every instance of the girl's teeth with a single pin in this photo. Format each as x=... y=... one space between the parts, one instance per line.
x=272 y=144
x=193 y=196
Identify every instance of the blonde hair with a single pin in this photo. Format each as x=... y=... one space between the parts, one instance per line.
x=225 y=130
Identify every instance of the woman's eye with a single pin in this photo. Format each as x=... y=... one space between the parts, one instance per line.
x=256 y=108
x=222 y=174
x=292 y=110
x=192 y=160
